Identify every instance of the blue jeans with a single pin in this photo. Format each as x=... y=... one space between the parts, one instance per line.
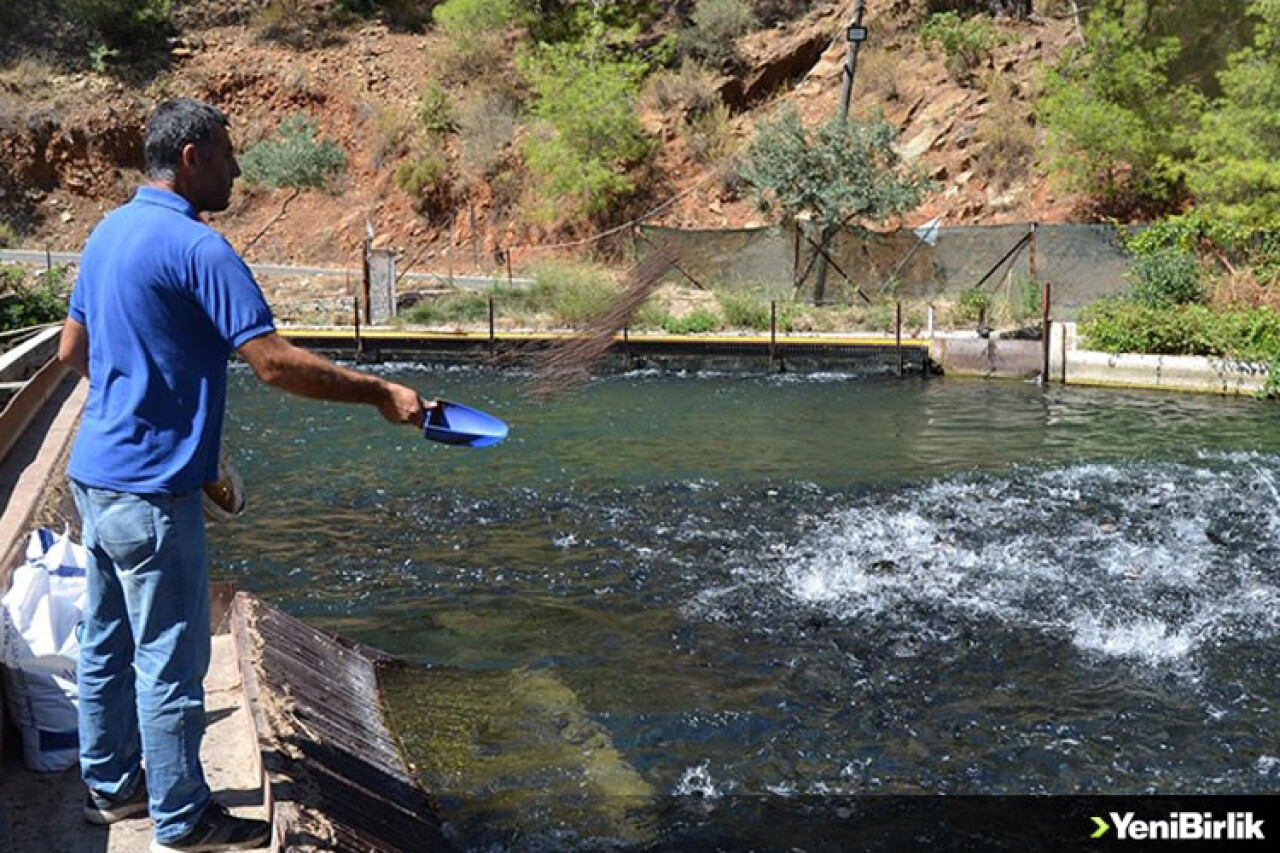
x=144 y=651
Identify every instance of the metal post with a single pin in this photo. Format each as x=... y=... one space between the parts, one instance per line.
x=475 y=247
x=492 y=335
x=364 y=267
x=795 y=260
x=1031 y=260
x=855 y=34
x=453 y=240
x=508 y=255
x=898 y=334
x=773 y=333
x=355 y=315
x=1044 y=335
x=48 y=260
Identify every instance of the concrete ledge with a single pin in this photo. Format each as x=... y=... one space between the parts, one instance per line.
x=1196 y=374
x=992 y=358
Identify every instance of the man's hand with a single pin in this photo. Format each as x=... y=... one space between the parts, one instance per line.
x=402 y=405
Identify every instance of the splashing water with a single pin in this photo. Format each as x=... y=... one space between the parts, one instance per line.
x=1125 y=562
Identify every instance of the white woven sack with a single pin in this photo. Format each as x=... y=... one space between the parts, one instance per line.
x=39 y=618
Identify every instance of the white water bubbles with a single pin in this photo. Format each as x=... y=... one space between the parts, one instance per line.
x=697 y=781
x=1150 y=563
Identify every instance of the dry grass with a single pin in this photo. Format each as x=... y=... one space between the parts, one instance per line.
x=1006 y=141
x=391 y=132
x=28 y=76
x=879 y=74
x=570 y=362
x=1242 y=289
x=487 y=57
x=691 y=90
x=709 y=136
x=487 y=124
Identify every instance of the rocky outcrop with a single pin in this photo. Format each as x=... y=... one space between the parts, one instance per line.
x=47 y=154
x=773 y=59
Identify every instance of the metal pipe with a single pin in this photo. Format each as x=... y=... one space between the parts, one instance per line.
x=855 y=34
x=1045 y=329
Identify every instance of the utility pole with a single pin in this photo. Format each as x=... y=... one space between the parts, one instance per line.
x=855 y=34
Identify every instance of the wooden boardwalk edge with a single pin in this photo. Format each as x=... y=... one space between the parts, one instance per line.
x=333 y=776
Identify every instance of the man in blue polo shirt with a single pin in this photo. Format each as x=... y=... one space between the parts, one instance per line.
x=161 y=302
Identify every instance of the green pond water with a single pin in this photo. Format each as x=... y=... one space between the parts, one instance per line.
x=667 y=599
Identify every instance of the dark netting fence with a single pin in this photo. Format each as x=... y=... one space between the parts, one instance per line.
x=1082 y=262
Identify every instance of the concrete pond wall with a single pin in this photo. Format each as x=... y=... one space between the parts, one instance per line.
x=1011 y=358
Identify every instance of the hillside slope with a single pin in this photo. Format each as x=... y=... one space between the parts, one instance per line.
x=70 y=151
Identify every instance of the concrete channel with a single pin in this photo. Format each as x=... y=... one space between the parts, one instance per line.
x=297 y=732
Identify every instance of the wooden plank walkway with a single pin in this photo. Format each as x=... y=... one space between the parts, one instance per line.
x=334 y=774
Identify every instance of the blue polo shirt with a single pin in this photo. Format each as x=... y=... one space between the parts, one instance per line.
x=165 y=300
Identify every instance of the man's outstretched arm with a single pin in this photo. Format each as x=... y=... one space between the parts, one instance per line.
x=282 y=365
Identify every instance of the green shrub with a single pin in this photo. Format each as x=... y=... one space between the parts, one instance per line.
x=586 y=132
x=476 y=35
x=967 y=42
x=124 y=23
x=833 y=172
x=34 y=303
x=742 y=311
x=1166 y=276
x=435 y=110
x=973 y=304
x=450 y=308
x=696 y=322
x=1028 y=298
x=1165 y=270
x=466 y=20
x=1271 y=388
x=404 y=14
x=426 y=180
x=882 y=316
x=1123 y=325
x=651 y=315
x=294 y=157
x=8 y=235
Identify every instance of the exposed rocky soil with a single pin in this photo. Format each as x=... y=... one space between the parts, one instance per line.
x=69 y=137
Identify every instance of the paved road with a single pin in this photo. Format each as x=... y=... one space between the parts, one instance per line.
x=36 y=257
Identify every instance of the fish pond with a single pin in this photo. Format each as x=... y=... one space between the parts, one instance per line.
x=669 y=603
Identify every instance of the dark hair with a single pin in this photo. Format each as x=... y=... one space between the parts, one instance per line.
x=174 y=124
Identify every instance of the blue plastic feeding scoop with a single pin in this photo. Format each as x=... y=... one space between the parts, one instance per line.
x=454 y=423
